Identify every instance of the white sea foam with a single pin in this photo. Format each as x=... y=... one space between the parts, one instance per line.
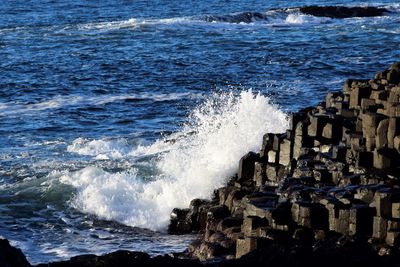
x=134 y=23
x=297 y=18
x=110 y=25
x=197 y=160
x=101 y=149
x=117 y=148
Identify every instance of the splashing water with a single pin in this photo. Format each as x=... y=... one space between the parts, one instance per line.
x=199 y=159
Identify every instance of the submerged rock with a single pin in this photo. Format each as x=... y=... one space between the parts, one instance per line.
x=245 y=17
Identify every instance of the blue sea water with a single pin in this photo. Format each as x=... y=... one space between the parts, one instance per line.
x=114 y=112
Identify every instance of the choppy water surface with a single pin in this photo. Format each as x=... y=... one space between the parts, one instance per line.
x=114 y=112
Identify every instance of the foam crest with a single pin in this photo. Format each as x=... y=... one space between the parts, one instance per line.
x=110 y=25
x=101 y=149
x=133 y=23
x=223 y=133
x=297 y=18
x=191 y=164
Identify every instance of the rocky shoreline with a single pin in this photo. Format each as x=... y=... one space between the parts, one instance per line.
x=327 y=191
x=330 y=181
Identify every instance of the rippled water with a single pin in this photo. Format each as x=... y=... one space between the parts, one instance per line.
x=113 y=112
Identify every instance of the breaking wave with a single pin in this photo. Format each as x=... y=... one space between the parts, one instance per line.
x=303 y=15
x=269 y=18
x=188 y=164
x=279 y=16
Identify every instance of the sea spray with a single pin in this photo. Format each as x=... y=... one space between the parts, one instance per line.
x=101 y=149
x=190 y=163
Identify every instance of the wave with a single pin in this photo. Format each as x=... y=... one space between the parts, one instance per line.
x=269 y=18
x=272 y=17
x=14 y=108
x=139 y=24
x=188 y=164
x=101 y=149
x=132 y=23
x=302 y=15
x=120 y=148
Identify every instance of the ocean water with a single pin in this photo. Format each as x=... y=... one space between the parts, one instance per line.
x=114 y=112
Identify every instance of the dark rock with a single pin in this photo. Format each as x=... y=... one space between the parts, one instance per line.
x=282 y=214
x=260 y=176
x=393 y=131
x=361 y=220
x=245 y=245
x=381 y=139
x=246 y=166
x=301 y=140
x=285 y=152
x=357 y=94
x=295 y=118
x=245 y=17
x=393 y=76
x=385 y=158
x=317 y=124
x=305 y=236
x=118 y=258
x=11 y=256
x=197 y=215
x=229 y=222
x=379 y=228
x=268 y=140
x=215 y=214
x=251 y=223
x=122 y=258
x=208 y=250
x=393 y=238
x=228 y=196
x=342 y=11
x=178 y=222
x=275 y=172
